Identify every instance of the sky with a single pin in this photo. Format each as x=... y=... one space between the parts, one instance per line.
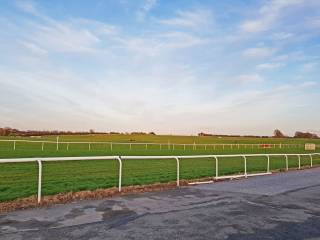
x=168 y=66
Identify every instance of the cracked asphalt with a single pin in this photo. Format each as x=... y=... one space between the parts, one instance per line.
x=277 y=206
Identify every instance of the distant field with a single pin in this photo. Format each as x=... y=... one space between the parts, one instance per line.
x=167 y=138
x=19 y=180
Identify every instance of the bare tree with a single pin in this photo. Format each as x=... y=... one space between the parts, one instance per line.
x=305 y=135
x=278 y=134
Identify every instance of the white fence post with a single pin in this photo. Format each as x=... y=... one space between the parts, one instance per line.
x=299 y=158
x=14 y=145
x=39 y=180
x=111 y=146
x=89 y=147
x=287 y=163
x=311 y=160
x=178 y=171
x=42 y=146
x=268 y=164
x=120 y=172
x=217 y=167
x=67 y=146
x=245 y=166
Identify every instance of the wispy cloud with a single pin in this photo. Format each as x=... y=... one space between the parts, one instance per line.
x=270 y=13
x=27 y=6
x=259 y=52
x=64 y=38
x=248 y=78
x=282 y=36
x=146 y=7
x=161 y=44
x=34 y=48
x=270 y=66
x=313 y=23
x=190 y=19
x=308 y=67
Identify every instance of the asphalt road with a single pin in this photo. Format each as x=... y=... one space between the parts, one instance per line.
x=278 y=206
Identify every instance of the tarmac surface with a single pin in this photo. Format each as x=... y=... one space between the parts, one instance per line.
x=277 y=206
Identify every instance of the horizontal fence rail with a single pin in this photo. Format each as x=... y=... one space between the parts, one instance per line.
x=176 y=158
x=168 y=145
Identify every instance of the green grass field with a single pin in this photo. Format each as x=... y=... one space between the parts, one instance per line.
x=20 y=180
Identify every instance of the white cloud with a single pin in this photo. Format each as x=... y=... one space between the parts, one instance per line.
x=308 y=67
x=27 y=6
x=307 y=84
x=74 y=35
x=161 y=44
x=314 y=23
x=176 y=40
x=268 y=14
x=34 y=48
x=294 y=56
x=190 y=19
x=147 y=7
x=96 y=27
x=270 y=66
x=254 y=26
x=64 y=37
x=78 y=35
x=259 y=52
x=248 y=78
x=295 y=87
x=282 y=36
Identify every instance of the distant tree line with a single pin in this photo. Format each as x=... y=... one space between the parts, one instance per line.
x=276 y=134
x=305 y=135
x=7 y=131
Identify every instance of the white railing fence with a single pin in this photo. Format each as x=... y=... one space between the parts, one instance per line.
x=161 y=146
x=176 y=158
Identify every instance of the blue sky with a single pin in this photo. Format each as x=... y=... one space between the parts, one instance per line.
x=176 y=67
